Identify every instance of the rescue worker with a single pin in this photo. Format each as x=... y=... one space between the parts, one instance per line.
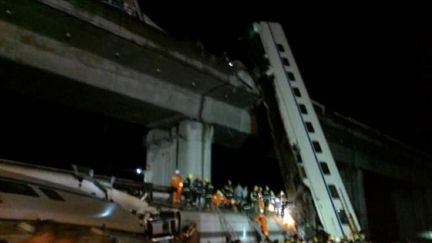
x=177 y=188
x=263 y=222
x=284 y=202
x=238 y=192
x=228 y=191
x=254 y=199
x=148 y=183
x=218 y=199
x=245 y=194
x=277 y=204
x=266 y=196
x=187 y=184
x=260 y=201
x=197 y=192
x=208 y=192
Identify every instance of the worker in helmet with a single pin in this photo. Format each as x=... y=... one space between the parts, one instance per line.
x=254 y=199
x=266 y=196
x=187 y=184
x=197 y=192
x=218 y=198
x=177 y=187
x=208 y=193
x=148 y=182
x=238 y=193
x=228 y=191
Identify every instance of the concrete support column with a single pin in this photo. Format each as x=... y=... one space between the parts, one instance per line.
x=186 y=146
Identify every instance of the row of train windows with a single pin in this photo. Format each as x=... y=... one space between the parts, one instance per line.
x=285 y=62
x=23 y=189
x=332 y=189
x=333 y=193
x=324 y=167
x=295 y=90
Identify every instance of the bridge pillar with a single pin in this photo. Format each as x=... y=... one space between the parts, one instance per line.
x=186 y=146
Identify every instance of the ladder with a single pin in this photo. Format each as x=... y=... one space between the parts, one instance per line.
x=308 y=143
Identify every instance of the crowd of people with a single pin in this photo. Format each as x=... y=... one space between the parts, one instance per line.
x=194 y=193
x=200 y=194
x=197 y=194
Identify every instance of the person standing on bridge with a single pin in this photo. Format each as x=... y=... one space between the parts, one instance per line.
x=238 y=193
x=208 y=193
x=266 y=197
x=254 y=199
x=148 y=183
x=260 y=200
x=228 y=191
x=187 y=184
x=264 y=226
x=197 y=192
x=177 y=188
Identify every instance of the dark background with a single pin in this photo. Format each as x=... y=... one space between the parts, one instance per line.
x=367 y=60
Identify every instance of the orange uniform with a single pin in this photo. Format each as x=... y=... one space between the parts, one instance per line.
x=177 y=183
x=263 y=221
x=219 y=199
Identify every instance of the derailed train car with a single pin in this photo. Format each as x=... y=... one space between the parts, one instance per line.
x=77 y=208
x=32 y=208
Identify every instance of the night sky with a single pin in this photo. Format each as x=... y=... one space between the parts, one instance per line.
x=367 y=60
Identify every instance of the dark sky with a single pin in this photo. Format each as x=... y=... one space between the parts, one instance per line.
x=369 y=61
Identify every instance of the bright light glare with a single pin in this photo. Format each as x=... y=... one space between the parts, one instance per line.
x=230 y=64
x=271 y=208
x=107 y=211
x=244 y=234
x=426 y=235
x=138 y=171
x=287 y=219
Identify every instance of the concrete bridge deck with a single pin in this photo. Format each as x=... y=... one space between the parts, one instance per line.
x=90 y=56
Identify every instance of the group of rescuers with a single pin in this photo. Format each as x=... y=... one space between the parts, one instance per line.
x=195 y=193
x=198 y=194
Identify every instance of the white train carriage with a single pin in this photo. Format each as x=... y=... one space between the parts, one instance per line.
x=28 y=199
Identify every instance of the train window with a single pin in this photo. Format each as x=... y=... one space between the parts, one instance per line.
x=303 y=109
x=325 y=169
x=309 y=127
x=343 y=217
x=290 y=76
x=296 y=92
x=280 y=47
x=17 y=188
x=333 y=191
x=316 y=146
x=285 y=61
x=51 y=194
x=303 y=172
x=299 y=158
